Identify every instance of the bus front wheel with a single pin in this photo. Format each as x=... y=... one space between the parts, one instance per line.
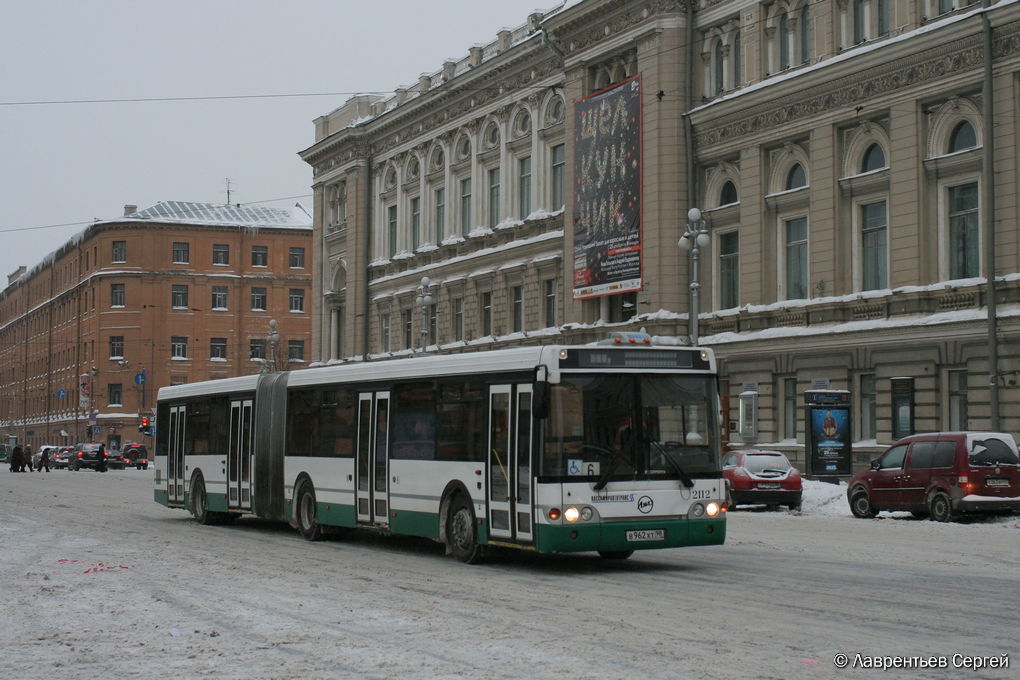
x=461 y=532
x=304 y=508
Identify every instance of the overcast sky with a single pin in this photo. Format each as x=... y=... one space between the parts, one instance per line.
x=72 y=163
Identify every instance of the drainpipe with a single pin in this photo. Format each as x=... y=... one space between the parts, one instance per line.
x=988 y=214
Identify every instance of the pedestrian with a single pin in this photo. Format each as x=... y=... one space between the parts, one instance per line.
x=26 y=459
x=101 y=459
x=44 y=460
x=16 y=459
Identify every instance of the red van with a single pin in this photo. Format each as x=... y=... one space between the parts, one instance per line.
x=941 y=475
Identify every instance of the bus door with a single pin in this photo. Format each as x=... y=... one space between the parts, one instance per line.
x=373 y=455
x=175 y=454
x=239 y=455
x=510 y=424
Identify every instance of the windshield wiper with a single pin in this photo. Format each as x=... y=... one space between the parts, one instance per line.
x=604 y=476
x=684 y=478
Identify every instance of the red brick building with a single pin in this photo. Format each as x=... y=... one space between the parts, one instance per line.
x=175 y=293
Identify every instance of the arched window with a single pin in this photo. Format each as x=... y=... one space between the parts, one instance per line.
x=796 y=177
x=963 y=137
x=805 y=35
x=728 y=195
x=784 y=42
x=874 y=159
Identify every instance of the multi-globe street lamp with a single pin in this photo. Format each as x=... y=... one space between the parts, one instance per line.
x=694 y=238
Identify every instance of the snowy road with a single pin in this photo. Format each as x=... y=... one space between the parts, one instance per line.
x=101 y=582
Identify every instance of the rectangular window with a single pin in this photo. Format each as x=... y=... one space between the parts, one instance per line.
x=517 y=293
x=796 y=259
x=297 y=258
x=883 y=17
x=297 y=300
x=458 y=319
x=407 y=323
x=873 y=246
x=221 y=253
x=391 y=230
x=257 y=348
x=957 y=400
x=944 y=6
x=729 y=270
x=485 y=305
x=869 y=424
x=219 y=297
x=295 y=350
x=415 y=223
x=902 y=407
x=116 y=294
x=789 y=408
x=115 y=393
x=557 y=176
x=493 y=197
x=963 y=231
x=181 y=253
x=218 y=348
x=550 y=303
x=179 y=347
x=258 y=299
x=860 y=29
x=465 y=206
x=179 y=296
x=440 y=217
x=260 y=256
x=385 y=332
x=119 y=253
x=524 y=187
x=116 y=346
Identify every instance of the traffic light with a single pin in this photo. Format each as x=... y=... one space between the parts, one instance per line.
x=143 y=426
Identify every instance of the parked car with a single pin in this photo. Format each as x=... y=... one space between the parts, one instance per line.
x=136 y=455
x=61 y=456
x=942 y=475
x=762 y=477
x=85 y=456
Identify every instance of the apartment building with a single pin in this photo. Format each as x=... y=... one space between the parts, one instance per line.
x=174 y=293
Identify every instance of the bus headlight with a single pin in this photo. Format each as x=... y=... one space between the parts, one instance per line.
x=712 y=509
x=587 y=513
x=697 y=510
x=571 y=514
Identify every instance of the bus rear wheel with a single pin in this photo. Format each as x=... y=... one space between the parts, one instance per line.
x=200 y=503
x=461 y=532
x=304 y=510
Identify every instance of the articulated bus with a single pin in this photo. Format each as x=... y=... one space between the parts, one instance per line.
x=609 y=448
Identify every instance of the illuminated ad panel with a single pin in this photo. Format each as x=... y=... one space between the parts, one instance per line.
x=607 y=191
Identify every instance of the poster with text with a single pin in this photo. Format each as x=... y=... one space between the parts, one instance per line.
x=607 y=191
x=829 y=441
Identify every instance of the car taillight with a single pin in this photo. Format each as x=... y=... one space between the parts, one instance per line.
x=964 y=482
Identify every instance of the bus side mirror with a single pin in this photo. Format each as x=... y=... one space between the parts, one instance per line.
x=540 y=393
x=540 y=408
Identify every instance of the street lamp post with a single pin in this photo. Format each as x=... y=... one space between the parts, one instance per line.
x=424 y=300
x=694 y=238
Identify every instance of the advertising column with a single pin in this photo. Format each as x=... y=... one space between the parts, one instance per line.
x=829 y=453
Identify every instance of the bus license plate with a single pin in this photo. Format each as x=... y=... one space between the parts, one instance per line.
x=646 y=535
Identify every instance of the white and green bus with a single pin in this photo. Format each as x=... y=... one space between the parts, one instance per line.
x=607 y=448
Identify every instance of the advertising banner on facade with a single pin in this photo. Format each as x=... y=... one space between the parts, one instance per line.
x=607 y=191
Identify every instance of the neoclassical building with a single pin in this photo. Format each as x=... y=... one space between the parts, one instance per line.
x=855 y=163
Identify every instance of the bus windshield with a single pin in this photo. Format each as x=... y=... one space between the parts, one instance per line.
x=605 y=428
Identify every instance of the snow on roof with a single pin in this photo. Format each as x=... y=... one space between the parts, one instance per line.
x=187 y=212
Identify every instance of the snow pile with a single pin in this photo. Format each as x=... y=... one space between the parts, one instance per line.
x=823 y=498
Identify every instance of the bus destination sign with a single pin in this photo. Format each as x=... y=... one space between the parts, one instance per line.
x=633 y=358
